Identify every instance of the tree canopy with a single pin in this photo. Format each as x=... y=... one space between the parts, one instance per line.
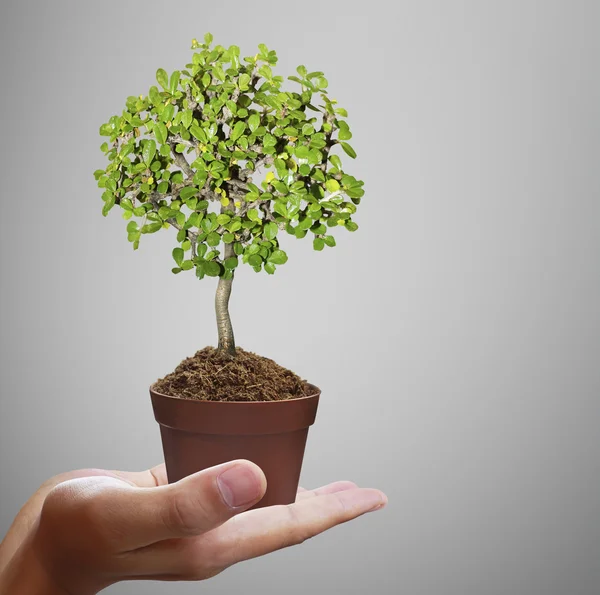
x=223 y=154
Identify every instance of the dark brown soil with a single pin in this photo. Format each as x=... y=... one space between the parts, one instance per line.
x=211 y=376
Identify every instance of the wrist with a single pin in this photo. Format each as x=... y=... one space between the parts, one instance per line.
x=25 y=574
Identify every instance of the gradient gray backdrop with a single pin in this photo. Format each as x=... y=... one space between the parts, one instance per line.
x=456 y=335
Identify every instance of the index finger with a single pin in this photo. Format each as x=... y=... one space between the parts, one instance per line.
x=265 y=530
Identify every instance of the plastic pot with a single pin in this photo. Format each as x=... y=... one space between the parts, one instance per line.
x=200 y=434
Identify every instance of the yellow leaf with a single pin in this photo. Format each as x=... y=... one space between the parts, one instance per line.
x=224 y=201
x=270 y=176
x=341 y=222
x=238 y=204
x=150 y=180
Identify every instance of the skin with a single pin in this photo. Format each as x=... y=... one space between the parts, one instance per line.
x=85 y=530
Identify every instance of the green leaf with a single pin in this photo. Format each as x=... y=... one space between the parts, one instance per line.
x=174 y=81
x=349 y=150
x=230 y=263
x=255 y=260
x=162 y=78
x=152 y=227
x=351 y=226
x=161 y=132
x=271 y=230
x=238 y=130
x=308 y=129
x=356 y=192
x=332 y=185
x=187 y=265
x=329 y=240
x=318 y=175
x=218 y=72
x=178 y=255
x=315 y=156
x=280 y=187
x=269 y=267
x=167 y=113
x=149 y=151
x=213 y=239
x=212 y=268
x=280 y=207
x=336 y=161
x=318 y=244
x=198 y=133
x=200 y=177
x=252 y=214
x=188 y=192
x=186 y=117
x=344 y=134
x=269 y=140
x=244 y=81
x=253 y=122
x=206 y=225
x=208 y=38
x=278 y=257
x=154 y=95
x=302 y=152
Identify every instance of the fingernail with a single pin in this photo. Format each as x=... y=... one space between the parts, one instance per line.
x=239 y=486
x=381 y=504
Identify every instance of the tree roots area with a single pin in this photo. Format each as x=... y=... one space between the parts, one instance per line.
x=210 y=375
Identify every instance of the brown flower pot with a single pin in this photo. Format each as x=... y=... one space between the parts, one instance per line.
x=200 y=434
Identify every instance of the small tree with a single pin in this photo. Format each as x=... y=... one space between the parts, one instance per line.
x=189 y=154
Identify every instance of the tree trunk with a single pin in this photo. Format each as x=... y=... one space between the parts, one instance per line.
x=224 y=327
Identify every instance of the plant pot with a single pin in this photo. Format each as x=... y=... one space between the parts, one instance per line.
x=200 y=434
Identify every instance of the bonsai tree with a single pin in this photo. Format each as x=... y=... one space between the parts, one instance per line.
x=220 y=152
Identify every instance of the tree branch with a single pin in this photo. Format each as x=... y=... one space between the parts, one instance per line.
x=180 y=160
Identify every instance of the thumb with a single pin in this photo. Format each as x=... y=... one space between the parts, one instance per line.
x=197 y=503
x=133 y=517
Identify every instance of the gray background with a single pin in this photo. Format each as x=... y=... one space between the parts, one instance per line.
x=456 y=336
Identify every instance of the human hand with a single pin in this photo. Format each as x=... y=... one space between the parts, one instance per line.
x=85 y=530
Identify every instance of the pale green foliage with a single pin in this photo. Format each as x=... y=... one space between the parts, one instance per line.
x=191 y=152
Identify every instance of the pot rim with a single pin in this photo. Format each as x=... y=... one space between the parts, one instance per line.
x=316 y=393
